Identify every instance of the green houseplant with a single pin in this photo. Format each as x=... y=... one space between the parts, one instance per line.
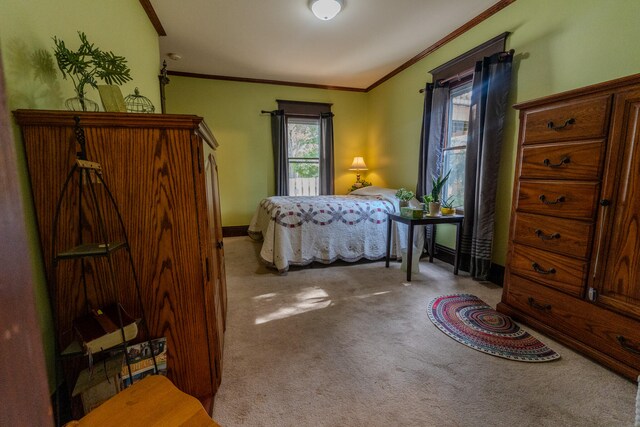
x=446 y=206
x=433 y=199
x=404 y=195
x=85 y=66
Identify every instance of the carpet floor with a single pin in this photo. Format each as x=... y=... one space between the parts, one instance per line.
x=351 y=345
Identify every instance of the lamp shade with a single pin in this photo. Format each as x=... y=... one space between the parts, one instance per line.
x=358 y=164
x=326 y=9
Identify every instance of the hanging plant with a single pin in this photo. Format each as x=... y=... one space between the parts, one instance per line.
x=88 y=64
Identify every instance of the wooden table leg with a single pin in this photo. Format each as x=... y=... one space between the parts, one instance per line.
x=432 y=242
x=456 y=261
x=409 y=251
x=389 y=221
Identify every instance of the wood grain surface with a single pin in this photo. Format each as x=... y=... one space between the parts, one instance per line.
x=152 y=402
x=595 y=326
x=150 y=166
x=574 y=199
x=597 y=223
x=590 y=118
x=567 y=161
x=560 y=272
x=563 y=236
x=618 y=275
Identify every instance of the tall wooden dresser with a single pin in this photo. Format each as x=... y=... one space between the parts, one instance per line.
x=573 y=267
x=162 y=173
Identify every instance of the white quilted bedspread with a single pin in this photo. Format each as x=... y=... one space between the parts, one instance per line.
x=301 y=230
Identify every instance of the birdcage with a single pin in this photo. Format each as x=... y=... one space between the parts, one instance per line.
x=137 y=103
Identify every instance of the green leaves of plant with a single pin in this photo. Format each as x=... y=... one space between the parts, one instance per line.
x=437 y=184
x=88 y=63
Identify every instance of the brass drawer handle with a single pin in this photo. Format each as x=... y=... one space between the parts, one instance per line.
x=543 y=236
x=564 y=161
x=536 y=267
x=542 y=307
x=559 y=199
x=551 y=126
x=625 y=343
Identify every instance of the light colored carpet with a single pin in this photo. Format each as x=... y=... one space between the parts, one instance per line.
x=351 y=345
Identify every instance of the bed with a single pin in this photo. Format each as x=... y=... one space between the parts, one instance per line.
x=299 y=230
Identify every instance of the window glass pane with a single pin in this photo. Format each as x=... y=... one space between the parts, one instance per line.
x=456 y=144
x=304 y=177
x=459 y=115
x=304 y=137
x=454 y=187
x=304 y=156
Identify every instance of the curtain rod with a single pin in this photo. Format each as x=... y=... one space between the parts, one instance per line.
x=466 y=73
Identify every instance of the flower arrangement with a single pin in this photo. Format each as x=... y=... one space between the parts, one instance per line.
x=359 y=184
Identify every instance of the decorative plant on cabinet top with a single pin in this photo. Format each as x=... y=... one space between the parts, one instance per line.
x=85 y=66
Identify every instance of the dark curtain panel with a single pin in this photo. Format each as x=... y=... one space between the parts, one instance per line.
x=326 y=154
x=279 y=141
x=421 y=186
x=436 y=99
x=432 y=143
x=491 y=83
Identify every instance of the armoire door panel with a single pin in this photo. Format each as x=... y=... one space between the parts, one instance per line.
x=618 y=275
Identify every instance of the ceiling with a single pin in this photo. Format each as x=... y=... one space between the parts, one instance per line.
x=282 y=40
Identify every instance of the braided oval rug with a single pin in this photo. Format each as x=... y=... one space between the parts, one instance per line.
x=470 y=321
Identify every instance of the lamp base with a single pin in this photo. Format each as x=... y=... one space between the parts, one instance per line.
x=359 y=184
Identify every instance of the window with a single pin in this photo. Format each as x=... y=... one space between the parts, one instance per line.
x=451 y=105
x=455 y=143
x=303 y=155
x=303 y=140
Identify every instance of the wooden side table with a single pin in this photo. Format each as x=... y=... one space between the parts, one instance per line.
x=427 y=220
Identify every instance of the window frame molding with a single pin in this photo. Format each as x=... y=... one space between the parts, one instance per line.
x=463 y=65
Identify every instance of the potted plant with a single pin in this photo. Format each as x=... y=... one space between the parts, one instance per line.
x=446 y=206
x=404 y=195
x=85 y=66
x=434 y=198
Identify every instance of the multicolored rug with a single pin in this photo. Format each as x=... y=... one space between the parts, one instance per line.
x=470 y=321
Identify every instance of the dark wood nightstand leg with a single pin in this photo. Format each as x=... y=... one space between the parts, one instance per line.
x=456 y=261
x=409 y=251
x=389 y=221
x=432 y=243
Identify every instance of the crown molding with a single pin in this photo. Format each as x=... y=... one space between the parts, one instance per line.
x=446 y=39
x=153 y=17
x=262 y=81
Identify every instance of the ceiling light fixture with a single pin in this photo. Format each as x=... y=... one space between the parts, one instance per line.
x=326 y=9
x=174 y=56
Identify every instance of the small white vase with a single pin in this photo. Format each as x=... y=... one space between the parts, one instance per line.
x=434 y=209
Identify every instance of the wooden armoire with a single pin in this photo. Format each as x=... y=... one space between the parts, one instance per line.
x=573 y=267
x=162 y=173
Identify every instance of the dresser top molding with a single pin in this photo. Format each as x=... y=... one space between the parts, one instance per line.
x=102 y=119
x=587 y=90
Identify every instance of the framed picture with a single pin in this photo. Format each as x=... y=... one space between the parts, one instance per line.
x=112 y=99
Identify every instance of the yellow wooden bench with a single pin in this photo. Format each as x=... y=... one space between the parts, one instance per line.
x=152 y=402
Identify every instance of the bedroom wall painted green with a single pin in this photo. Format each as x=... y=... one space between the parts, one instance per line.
x=560 y=45
x=27 y=27
x=245 y=158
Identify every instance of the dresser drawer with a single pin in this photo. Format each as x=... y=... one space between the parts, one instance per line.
x=578 y=161
x=581 y=119
x=611 y=333
x=564 y=236
x=556 y=198
x=560 y=272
